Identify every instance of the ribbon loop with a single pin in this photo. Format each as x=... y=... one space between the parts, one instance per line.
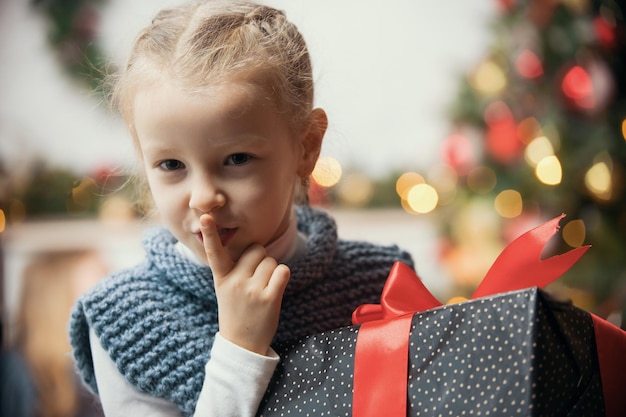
x=382 y=343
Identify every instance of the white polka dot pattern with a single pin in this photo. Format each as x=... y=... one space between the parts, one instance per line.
x=513 y=354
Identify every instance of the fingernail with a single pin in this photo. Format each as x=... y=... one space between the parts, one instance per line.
x=205 y=220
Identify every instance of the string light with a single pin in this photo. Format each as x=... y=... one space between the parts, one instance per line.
x=577 y=86
x=598 y=180
x=538 y=149
x=528 y=129
x=508 y=204
x=528 y=65
x=574 y=233
x=489 y=79
x=407 y=181
x=327 y=171
x=423 y=198
x=549 y=171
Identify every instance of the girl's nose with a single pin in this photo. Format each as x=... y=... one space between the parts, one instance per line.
x=205 y=196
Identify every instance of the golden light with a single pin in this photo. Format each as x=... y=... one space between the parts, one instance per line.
x=574 y=233
x=528 y=129
x=407 y=181
x=538 y=149
x=423 y=198
x=624 y=128
x=598 y=180
x=327 y=171
x=488 y=79
x=549 y=171
x=3 y=221
x=482 y=179
x=509 y=204
x=406 y=207
x=356 y=190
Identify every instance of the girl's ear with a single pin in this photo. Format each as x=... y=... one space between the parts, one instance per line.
x=312 y=142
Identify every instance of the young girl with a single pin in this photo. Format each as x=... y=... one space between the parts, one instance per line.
x=218 y=98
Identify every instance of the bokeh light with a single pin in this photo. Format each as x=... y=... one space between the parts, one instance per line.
x=528 y=129
x=538 y=149
x=356 y=190
x=508 y=204
x=423 y=198
x=624 y=128
x=501 y=136
x=489 y=78
x=458 y=152
x=327 y=171
x=574 y=233
x=407 y=181
x=407 y=208
x=481 y=179
x=528 y=65
x=577 y=86
x=598 y=180
x=3 y=221
x=549 y=170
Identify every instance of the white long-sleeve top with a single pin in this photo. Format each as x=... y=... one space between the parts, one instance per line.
x=235 y=378
x=234 y=384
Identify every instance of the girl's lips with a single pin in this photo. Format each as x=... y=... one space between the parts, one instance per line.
x=226 y=234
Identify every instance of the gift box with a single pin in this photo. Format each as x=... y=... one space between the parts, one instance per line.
x=511 y=350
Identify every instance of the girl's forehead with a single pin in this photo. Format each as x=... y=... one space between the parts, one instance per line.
x=255 y=88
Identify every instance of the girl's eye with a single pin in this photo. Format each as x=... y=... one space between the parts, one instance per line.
x=171 y=165
x=237 y=159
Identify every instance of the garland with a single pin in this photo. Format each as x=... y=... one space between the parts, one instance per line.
x=73 y=34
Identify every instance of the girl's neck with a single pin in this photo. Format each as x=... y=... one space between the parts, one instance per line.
x=284 y=247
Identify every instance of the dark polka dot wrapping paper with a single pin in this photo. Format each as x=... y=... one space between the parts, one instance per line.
x=513 y=354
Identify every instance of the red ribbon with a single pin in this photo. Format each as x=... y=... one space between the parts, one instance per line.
x=381 y=358
x=610 y=342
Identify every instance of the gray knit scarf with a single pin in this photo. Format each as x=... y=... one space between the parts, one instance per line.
x=158 y=320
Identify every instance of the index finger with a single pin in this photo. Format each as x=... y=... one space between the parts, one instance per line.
x=217 y=255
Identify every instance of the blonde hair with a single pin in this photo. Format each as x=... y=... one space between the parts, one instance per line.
x=203 y=43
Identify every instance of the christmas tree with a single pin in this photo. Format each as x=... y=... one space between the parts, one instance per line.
x=539 y=129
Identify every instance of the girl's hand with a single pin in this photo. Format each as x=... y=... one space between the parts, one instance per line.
x=249 y=292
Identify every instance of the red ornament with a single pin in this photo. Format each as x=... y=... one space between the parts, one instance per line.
x=458 y=152
x=528 y=65
x=605 y=32
x=506 y=5
x=501 y=137
x=577 y=87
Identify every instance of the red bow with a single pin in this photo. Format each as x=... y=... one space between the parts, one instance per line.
x=381 y=358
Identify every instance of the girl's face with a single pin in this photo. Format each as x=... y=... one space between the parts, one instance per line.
x=227 y=152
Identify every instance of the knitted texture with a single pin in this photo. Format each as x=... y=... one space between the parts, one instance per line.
x=157 y=321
